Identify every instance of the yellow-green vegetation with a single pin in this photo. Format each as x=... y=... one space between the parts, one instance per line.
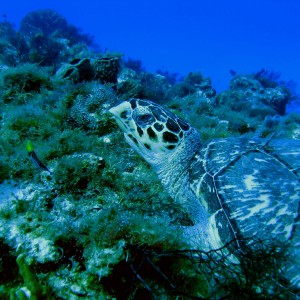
x=32 y=289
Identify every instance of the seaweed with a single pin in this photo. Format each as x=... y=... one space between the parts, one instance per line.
x=134 y=64
x=272 y=79
x=49 y=23
x=20 y=83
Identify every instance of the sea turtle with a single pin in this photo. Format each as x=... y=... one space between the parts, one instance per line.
x=232 y=188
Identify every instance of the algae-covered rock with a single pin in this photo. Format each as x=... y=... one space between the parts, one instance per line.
x=276 y=98
x=245 y=83
x=49 y=36
x=21 y=82
x=153 y=86
x=45 y=37
x=129 y=84
x=13 y=46
x=248 y=94
x=191 y=84
x=128 y=89
x=74 y=172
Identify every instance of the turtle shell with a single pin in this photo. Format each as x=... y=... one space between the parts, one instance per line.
x=250 y=188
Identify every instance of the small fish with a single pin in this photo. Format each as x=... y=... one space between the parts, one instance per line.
x=34 y=158
x=232 y=72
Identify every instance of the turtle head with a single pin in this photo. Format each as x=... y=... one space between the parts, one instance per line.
x=152 y=131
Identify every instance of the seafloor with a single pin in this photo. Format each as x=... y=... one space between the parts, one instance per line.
x=93 y=221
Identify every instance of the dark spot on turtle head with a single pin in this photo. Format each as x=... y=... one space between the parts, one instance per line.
x=151 y=134
x=171 y=147
x=171 y=125
x=143 y=103
x=158 y=127
x=158 y=114
x=147 y=146
x=181 y=134
x=170 y=137
x=184 y=126
x=140 y=131
x=123 y=114
x=133 y=103
x=133 y=138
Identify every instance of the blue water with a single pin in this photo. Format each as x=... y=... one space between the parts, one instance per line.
x=212 y=37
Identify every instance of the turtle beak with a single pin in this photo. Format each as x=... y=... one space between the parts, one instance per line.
x=121 y=114
x=115 y=110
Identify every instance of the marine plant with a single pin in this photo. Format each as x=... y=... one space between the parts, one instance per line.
x=203 y=272
x=271 y=79
x=172 y=78
x=45 y=37
x=134 y=64
x=22 y=82
x=32 y=289
x=49 y=23
x=192 y=83
x=153 y=86
x=13 y=46
x=128 y=89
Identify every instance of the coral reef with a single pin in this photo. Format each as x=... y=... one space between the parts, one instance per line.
x=100 y=226
x=89 y=111
x=191 y=84
x=252 y=94
x=48 y=22
x=48 y=34
x=13 y=46
x=153 y=86
x=45 y=37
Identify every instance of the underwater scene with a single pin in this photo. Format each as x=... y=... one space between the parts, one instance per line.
x=121 y=183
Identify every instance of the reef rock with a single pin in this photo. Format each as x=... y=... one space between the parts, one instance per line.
x=249 y=95
x=78 y=70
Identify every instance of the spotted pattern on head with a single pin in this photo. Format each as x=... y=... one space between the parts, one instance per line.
x=149 y=125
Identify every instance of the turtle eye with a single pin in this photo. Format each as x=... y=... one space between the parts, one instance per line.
x=145 y=119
